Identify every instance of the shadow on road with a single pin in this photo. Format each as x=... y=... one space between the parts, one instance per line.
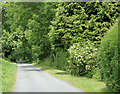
x=33 y=70
x=62 y=73
x=28 y=67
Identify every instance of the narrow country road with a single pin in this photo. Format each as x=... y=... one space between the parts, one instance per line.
x=33 y=79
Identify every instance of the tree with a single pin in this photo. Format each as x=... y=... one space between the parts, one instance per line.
x=75 y=22
x=26 y=34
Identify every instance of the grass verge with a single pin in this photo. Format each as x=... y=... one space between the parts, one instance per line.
x=0 y=76
x=9 y=70
x=84 y=83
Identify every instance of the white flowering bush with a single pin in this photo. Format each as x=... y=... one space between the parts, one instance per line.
x=82 y=58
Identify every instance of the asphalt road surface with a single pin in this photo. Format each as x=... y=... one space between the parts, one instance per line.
x=33 y=79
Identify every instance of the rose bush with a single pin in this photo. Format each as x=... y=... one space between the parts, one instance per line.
x=82 y=58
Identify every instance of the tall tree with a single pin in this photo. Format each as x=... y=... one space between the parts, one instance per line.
x=27 y=29
x=75 y=22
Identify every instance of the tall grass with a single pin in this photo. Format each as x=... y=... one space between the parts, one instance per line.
x=58 y=63
x=9 y=70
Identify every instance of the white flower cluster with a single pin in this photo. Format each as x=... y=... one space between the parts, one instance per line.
x=81 y=55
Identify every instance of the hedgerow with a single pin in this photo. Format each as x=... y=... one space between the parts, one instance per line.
x=108 y=56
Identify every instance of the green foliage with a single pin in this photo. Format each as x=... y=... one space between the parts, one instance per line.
x=82 y=57
x=75 y=21
x=68 y=32
x=46 y=62
x=25 y=36
x=108 y=56
x=60 y=61
x=96 y=74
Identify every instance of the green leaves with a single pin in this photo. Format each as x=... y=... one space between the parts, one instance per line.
x=27 y=29
x=108 y=56
x=33 y=31
x=81 y=22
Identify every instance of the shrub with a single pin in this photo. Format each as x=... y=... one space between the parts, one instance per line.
x=108 y=56
x=82 y=58
x=97 y=74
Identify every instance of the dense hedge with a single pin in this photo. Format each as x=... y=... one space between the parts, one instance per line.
x=108 y=55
